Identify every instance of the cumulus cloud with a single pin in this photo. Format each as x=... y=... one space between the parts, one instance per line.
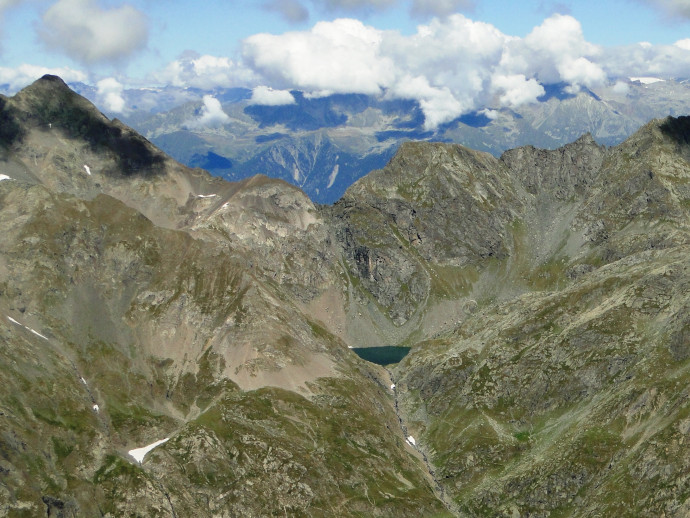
x=109 y=95
x=90 y=33
x=516 y=90
x=438 y=103
x=644 y=60
x=291 y=10
x=23 y=75
x=267 y=96
x=556 y=51
x=211 y=116
x=333 y=57
x=621 y=88
x=683 y=44
x=451 y=65
x=440 y=7
x=447 y=65
x=205 y=72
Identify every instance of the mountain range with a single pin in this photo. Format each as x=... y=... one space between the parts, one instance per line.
x=175 y=344
x=324 y=144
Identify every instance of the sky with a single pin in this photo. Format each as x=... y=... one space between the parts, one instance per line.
x=452 y=56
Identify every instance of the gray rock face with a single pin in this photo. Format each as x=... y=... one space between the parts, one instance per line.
x=544 y=294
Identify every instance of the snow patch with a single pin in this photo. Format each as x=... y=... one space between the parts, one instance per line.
x=411 y=441
x=393 y=386
x=140 y=453
x=295 y=173
x=334 y=175
x=27 y=328
x=95 y=408
x=647 y=80
x=206 y=195
x=37 y=333
x=4 y=177
x=87 y=169
x=83 y=380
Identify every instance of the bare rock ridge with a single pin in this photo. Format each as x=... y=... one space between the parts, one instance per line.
x=544 y=294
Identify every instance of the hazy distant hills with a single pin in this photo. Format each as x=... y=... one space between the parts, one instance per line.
x=324 y=144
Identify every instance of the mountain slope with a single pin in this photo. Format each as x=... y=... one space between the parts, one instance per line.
x=571 y=398
x=544 y=295
x=131 y=333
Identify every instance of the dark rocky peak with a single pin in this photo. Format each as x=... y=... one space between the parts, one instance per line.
x=677 y=128
x=422 y=171
x=50 y=105
x=49 y=100
x=561 y=173
x=11 y=130
x=669 y=131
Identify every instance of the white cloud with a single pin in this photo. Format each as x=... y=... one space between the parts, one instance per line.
x=683 y=44
x=581 y=72
x=440 y=7
x=641 y=60
x=621 y=88
x=516 y=90
x=489 y=114
x=339 y=57
x=89 y=33
x=205 y=72
x=555 y=51
x=451 y=65
x=110 y=95
x=23 y=75
x=438 y=104
x=446 y=65
x=267 y=96
x=211 y=116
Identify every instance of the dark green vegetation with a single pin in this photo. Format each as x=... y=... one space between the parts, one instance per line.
x=385 y=355
x=545 y=297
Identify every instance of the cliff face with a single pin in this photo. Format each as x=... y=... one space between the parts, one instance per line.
x=544 y=295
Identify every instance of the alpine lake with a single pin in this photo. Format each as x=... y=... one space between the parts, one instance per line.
x=385 y=355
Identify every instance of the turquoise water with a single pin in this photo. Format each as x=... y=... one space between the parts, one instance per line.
x=382 y=355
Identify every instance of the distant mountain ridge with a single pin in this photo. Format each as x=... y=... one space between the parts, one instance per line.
x=359 y=133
